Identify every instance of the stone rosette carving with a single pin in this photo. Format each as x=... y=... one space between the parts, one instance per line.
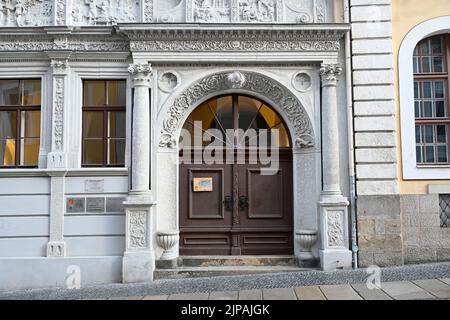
x=255 y=83
x=138 y=229
x=330 y=73
x=302 y=81
x=141 y=74
x=335 y=229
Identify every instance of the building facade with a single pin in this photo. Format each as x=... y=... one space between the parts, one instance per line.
x=101 y=102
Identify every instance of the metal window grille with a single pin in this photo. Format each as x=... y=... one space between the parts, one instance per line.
x=444 y=205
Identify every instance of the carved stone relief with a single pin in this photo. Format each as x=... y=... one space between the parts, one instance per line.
x=257 y=11
x=335 y=228
x=107 y=12
x=249 y=81
x=138 y=229
x=26 y=13
x=212 y=11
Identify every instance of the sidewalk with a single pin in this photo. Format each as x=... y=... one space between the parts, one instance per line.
x=429 y=281
x=401 y=290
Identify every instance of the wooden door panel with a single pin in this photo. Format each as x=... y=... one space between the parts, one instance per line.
x=265 y=200
x=209 y=204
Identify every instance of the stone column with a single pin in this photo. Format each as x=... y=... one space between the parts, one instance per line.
x=138 y=260
x=57 y=157
x=333 y=218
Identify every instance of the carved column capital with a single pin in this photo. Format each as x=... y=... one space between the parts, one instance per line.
x=59 y=66
x=330 y=74
x=141 y=74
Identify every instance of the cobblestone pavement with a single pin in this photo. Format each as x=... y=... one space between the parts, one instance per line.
x=427 y=281
x=399 y=290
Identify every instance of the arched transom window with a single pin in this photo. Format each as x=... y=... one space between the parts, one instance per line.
x=431 y=99
x=235 y=121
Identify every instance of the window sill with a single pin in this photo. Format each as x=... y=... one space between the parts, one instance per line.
x=70 y=172
x=432 y=166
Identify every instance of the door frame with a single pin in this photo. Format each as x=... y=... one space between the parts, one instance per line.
x=306 y=162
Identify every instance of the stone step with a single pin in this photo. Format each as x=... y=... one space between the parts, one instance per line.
x=253 y=261
x=206 y=272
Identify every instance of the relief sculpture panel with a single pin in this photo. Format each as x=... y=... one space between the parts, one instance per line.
x=22 y=13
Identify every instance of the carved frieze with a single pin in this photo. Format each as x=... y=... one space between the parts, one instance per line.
x=106 y=12
x=58 y=113
x=26 y=13
x=111 y=12
x=249 y=81
x=237 y=45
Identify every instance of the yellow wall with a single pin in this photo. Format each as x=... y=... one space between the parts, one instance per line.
x=406 y=14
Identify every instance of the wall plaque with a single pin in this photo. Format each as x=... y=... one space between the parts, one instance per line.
x=203 y=184
x=95 y=205
x=94 y=185
x=75 y=205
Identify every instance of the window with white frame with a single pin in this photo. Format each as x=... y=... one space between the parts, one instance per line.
x=431 y=100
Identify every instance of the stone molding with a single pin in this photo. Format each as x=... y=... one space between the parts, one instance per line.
x=254 y=82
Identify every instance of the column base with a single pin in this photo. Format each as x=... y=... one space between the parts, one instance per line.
x=138 y=267
x=331 y=259
x=334 y=238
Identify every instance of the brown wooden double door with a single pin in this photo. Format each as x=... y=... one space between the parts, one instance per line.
x=246 y=213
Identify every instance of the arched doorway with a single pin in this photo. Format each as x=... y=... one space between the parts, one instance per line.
x=230 y=203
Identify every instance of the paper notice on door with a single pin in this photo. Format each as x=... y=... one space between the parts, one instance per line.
x=203 y=184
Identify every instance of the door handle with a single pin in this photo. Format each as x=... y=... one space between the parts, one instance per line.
x=228 y=203
x=243 y=202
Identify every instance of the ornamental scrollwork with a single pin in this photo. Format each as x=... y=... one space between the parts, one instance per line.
x=335 y=228
x=138 y=229
x=254 y=82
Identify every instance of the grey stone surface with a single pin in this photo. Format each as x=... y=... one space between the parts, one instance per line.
x=279 y=294
x=282 y=280
x=445 y=280
x=250 y=295
x=379 y=206
x=437 y=288
x=385 y=259
x=405 y=290
x=367 y=294
x=420 y=255
x=429 y=203
x=309 y=293
x=340 y=292
x=443 y=254
x=224 y=295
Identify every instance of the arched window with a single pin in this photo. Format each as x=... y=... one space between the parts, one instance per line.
x=431 y=100
x=235 y=121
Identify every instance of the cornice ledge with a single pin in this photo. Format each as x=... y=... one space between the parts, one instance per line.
x=243 y=31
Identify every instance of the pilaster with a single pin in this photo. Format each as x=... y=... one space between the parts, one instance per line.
x=139 y=257
x=57 y=158
x=56 y=247
x=333 y=216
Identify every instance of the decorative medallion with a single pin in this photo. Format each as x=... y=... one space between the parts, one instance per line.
x=302 y=81
x=168 y=81
x=235 y=80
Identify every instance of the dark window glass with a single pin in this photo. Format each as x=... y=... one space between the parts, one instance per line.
x=104 y=125
x=20 y=122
